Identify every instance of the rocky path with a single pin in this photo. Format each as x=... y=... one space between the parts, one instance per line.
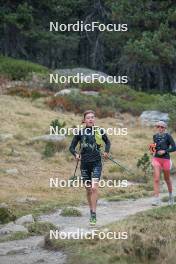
x=31 y=251
x=107 y=212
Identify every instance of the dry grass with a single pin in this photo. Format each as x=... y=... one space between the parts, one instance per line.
x=25 y=119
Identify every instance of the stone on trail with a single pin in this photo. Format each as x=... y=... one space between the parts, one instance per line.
x=12 y=228
x=21 y=246
x=25 y=219
x=102 y=202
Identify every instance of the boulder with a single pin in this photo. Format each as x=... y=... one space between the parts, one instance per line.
x=12 y=171
x=92 y=93
x=26 y=200
x=66 y=92
x=3 y=205
x=12 y=250
x=5 y=137
x=22 y=247
x=86 y=73
x=149 y=118
x=31 y=199
x=25 y=219
x=12 y=228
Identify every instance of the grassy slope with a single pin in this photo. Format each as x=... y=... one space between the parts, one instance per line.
x=19 y=69
x=26 y=119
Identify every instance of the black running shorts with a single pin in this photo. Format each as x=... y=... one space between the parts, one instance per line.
x=90 y=171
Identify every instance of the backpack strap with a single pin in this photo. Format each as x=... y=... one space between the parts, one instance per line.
x=98 y=137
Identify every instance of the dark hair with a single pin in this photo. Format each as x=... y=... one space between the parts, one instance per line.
x=88 y=112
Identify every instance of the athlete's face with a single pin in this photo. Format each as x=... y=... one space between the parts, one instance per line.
x=89 y=120
x=160 y=129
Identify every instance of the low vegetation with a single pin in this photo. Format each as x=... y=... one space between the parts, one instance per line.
x=70 y=212
x=115 y=98
x=19 y=69
x=6 y=215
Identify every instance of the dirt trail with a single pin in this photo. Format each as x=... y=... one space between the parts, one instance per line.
x=30 y=251
x=107 y=212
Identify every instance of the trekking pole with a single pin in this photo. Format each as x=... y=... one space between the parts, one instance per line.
x=76 y=168
x=74 y=175
x=120 y=165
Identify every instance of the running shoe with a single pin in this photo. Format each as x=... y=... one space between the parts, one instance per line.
x=171 y=200
x=156 y=201
x=92 y=221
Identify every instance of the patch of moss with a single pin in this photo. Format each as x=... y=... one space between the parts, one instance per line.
x=40 y=228
x=70 y=212
x=6 y=215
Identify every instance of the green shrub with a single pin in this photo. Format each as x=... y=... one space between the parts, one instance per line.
x=52 y=147
x=92 y=86
x=70 y=212
x=23 y=91
x=168 y=102
x=36 y=94
x=145 y=164
x=114 y=98
x=40 y=228
x=6 y=215
x=19 y=91
x=19 y=69
x=49 y=150
x=56 y=123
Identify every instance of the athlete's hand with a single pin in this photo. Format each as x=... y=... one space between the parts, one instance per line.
x=161 y=152
x=77 y=157
x=105 y=155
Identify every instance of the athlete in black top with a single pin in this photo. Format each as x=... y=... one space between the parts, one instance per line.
x=163 y=142
x=90 y=157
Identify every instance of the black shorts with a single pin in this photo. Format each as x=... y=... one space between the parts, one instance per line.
x=91 y=170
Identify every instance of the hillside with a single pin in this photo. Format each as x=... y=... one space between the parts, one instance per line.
x=24 y=120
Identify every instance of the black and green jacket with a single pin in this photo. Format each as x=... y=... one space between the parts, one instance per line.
x=89 y=149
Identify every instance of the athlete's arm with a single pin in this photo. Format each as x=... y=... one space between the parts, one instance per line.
x=73 y=145
x=154 y=138
x=172 y=144
x=107 y=143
